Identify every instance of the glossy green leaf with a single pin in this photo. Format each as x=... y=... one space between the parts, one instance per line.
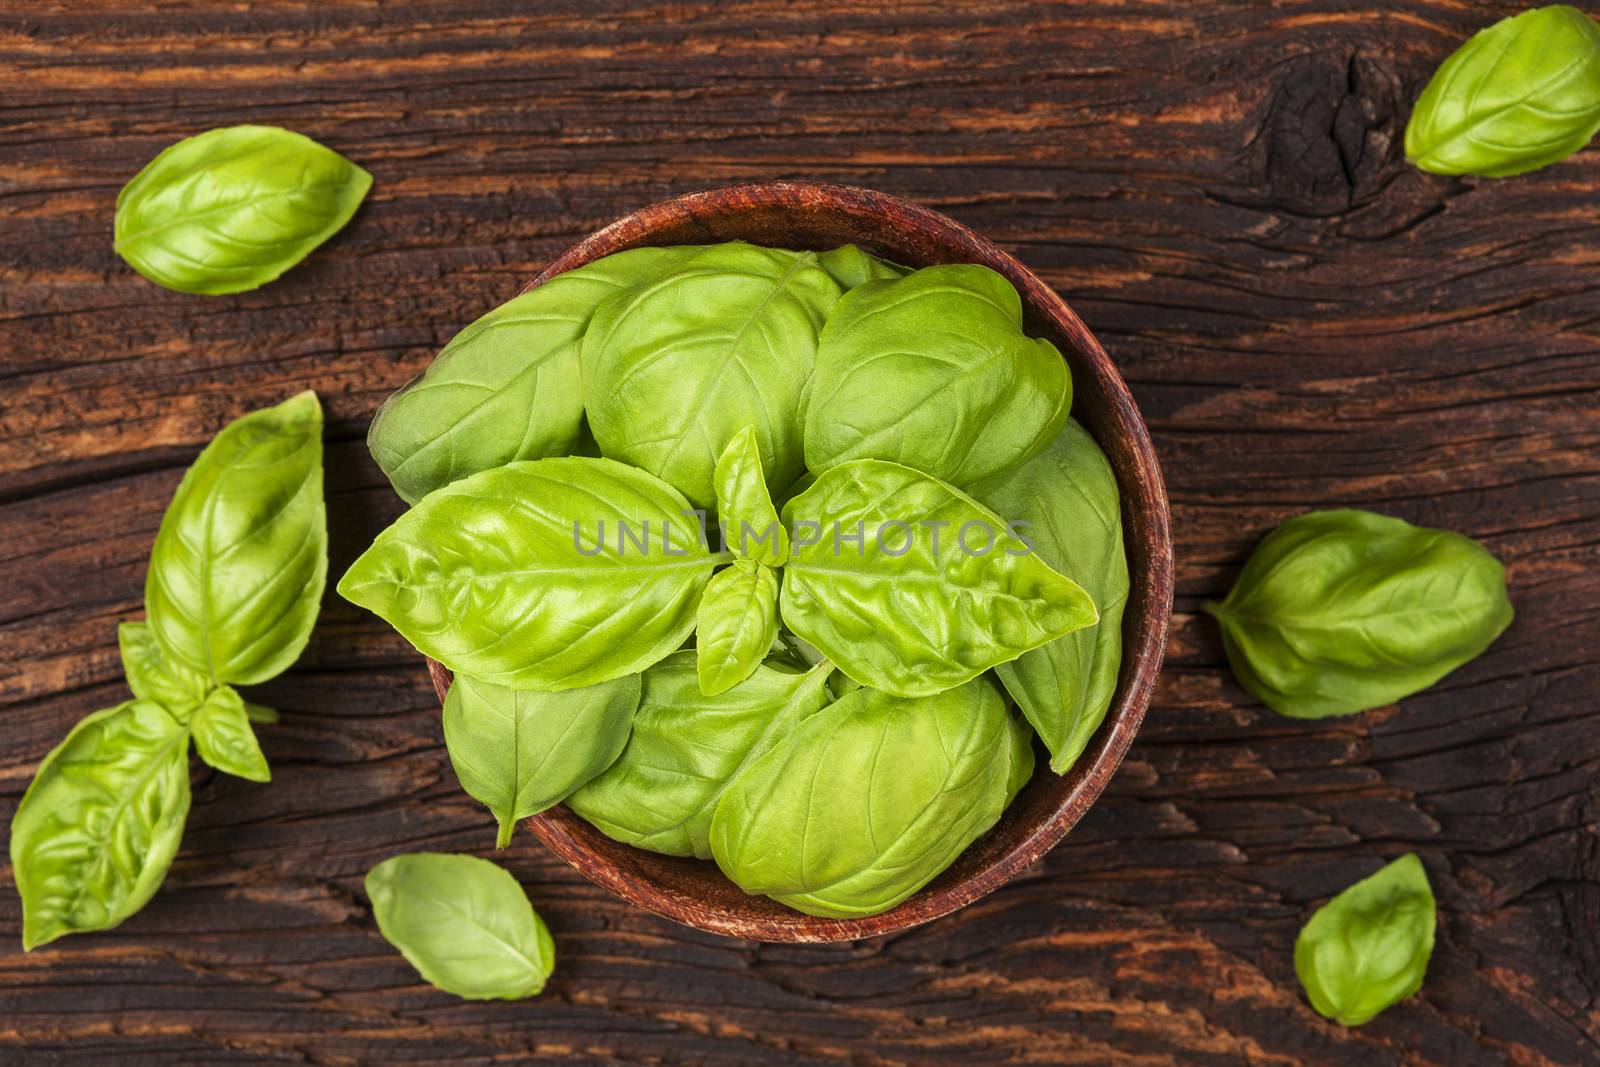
x=1368 y=947
x=525 y=577
x=224 y=739
x=865 y=801
x=237 y=571
x=750 y=524
x=1518 y=96
x=1065 y=501
x=507 y=387
x=672 y=370
x=737 y=623
x=686 y=747
x=463 y=923
x=1340 y=611
x=911 y=586
x=231 y=209
x=934 y=371
x=97 y=830
x=152 y=675
x=518 y=752
x=850 y=267
x=1020 y=752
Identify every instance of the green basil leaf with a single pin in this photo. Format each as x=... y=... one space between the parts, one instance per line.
x=737 y=624
x=911 y=586
x=518 y=752
x=98 y=827
x=750 y=525
x=1340 y=611
x=1368 y=947
x=686 y=747
x=1020 y=753
x=850 y=267
x=463 y=923
x=508 y=386
x=1518 y=96
x=865 y=801
x=524 y=576
x=672 y=370
x=260 y=713
x=1065 y=501
x=224 y=739
x=238 y=566
x=233 y=208
x=934 y=371
x=152 y=675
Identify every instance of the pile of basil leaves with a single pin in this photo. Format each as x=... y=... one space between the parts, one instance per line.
x=903 y=530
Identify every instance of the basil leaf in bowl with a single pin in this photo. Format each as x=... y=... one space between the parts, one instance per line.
x=233 y=208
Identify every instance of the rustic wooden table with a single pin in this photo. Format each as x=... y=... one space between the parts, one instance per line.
x=1218 y=190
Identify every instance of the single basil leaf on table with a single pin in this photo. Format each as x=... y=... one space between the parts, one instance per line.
x=750 y=524
x=736 y=624
x=673 y=369
x=463 y=923
x=232 y=208
x=686 y=747
x=524 y=576
x=867 y=800
x=1341 y=611
x=910 y=586
x=224 y=739
x=1368 y=948
x=508 y=386
x=933 y=371
x=238 y=566
x=98 y=827
x=152 y=675
x=1518 y=96
x=518 y=752
x=260 y=713
x=850 y=267
x=1066 y=502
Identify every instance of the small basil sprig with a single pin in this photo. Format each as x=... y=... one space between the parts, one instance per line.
x=1368 y=947
x=1340 y=611
x=233 y=208
x=1518 y=96
x=235 y=582
x=463 y=923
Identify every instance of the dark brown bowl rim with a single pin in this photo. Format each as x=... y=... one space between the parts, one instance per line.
x=569 y=836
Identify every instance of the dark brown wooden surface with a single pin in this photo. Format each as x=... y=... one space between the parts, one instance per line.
x=1219 y=192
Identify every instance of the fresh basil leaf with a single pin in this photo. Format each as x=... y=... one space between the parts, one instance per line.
x=737 y=624
x=673 y=369
x=1368 y=947
x=525 y=577
x=911 y=586
x=233 y=208
x=152 y=675
x=934 y=371
x=850 y=267
x=224 y=739
x=518 y=752
x=1065 y=501
x=507 y=387
x=1340 y=611
x=98 y=827
x=865 y=801
x=1518 y=96
x=463 y=923
x=239 y=563
x=260 y=713
x=686 y=747
x=750 y=525
x=1020 y=753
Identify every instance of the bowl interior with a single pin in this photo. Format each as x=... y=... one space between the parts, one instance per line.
x=817 y=217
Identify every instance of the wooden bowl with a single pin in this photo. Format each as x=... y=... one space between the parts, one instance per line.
x=802 y=215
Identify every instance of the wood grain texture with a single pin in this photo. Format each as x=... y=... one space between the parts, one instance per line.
x=1217 y=189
